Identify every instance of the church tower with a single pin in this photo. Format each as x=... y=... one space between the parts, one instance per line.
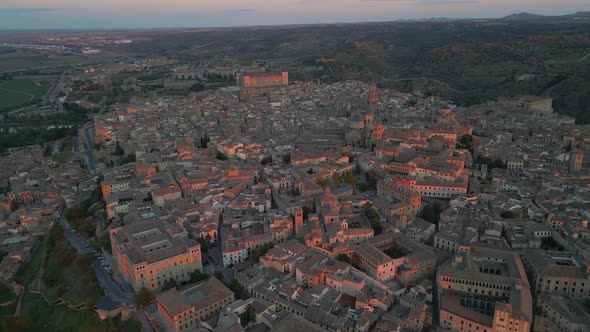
x=298 y=220
x=373 y=101
x=576 y=161
x=373 y=96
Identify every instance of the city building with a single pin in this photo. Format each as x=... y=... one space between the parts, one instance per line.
x=149 y=253
x=184 y=310
x=558 y=273
x=485 y=289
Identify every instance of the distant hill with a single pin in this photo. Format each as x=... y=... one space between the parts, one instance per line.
x=578 y=15
x=523 y=16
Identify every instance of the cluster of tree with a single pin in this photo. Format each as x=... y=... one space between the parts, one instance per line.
x=75 y=108
x=369 y=184
x=5 y=189
x=197 y=87
x=395 y=252
x=143 y=297
x=266 y=160
x=32 y=136
x=549 y=243
x=508 y=215
x=306 y=211
x=492 y=163
x=431 y=213
x=220 y=156
x=238 y=289
x=205 y=141
x=348 y=178
x=343 y=258
x=220 y=77
x=287 y=158
x=47 y=151
x=261 y=251
x=79 y=216
x=374 y=218
x=466 y=142
x=60 y=256
x=198 y=276
x=119 y=150
x=169 y=284
x=16 y=323
x=296 y=191
x=130 y=158
x=204 y=245
x=80 y=220
x=322 y=182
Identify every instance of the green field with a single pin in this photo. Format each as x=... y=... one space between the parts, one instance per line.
x=65 y=275
x=33 y=58
x=15 y=93
x=42 y=317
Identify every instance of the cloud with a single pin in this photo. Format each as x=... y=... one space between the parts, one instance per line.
x=427 y=2
x=239 y=11
x=20 y=11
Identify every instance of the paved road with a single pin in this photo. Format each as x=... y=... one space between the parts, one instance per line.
x=112 y=290
x=110 y=287
x=86 y=149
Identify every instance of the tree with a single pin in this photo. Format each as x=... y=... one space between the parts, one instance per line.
x=507 y=215
x=205 y=141
x=374 y=218
x=261 y=251
x=431 y=213
x=238 y=289
x=266 y=160
x=47 y=151
x=322 y=182
x=251 y=314
x=287 y=158
x=197 y=276
x=349 y=178
x=343 y=258
x=16 y=323
x=466 y=142
x=204 y=245
x=296 y=191
x=197 y=87
x=306 y=211
x=130 y=158
x=221 y=156
x=119 y=150
x=143 y=297
x=169 y=284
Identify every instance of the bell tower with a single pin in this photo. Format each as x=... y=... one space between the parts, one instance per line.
x=373 y=101
x=298 y=221
x=373 y=96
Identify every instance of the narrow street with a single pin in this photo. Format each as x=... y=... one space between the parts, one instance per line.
x=112 y=290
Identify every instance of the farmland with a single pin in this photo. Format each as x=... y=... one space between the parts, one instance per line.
x=17 y=92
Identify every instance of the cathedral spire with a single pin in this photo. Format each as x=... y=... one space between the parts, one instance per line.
x=373 y=95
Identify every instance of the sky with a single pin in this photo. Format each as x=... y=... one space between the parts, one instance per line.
x=115 y=14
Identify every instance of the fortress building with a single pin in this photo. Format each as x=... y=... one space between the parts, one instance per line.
x=261 y=83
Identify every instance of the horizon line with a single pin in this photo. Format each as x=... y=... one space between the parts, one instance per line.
x=399 y=20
